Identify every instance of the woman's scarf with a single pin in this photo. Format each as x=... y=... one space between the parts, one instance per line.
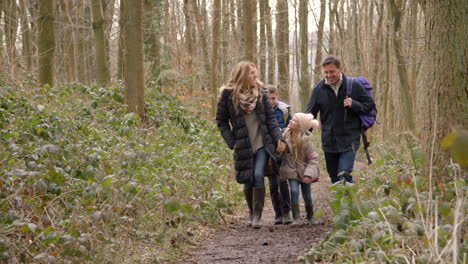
x=248 y=100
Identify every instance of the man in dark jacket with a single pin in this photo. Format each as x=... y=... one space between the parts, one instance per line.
x=339 y=115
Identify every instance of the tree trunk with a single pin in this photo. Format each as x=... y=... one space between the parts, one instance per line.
x=318 y=56
x=69 y=41
x=26 y=35
x=121 y=45
x=226 y=43
x=250 y=29
x=377 y=46
x=46 y=42
x=262 y=65
x=203 y=37
x=1 y=39
x=270 y=44
x=152 y=21
x=102 y=71
x=189 y=42
x=81 y=36
x=331 y=29
x=356 y=37
x=282 y=48
x=406 y=102
x=108 y=8
x=215 y=55
x=304 y=80
x=442 y=104
x=133 y=53
x=11 y=28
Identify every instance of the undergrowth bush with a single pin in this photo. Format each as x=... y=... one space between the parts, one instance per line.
x=81 y=179
x=392 y=214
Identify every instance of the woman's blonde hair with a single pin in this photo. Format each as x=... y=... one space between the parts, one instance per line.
x=240 y=81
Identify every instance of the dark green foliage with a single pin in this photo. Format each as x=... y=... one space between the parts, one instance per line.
x=392 y=214
x=78 y=173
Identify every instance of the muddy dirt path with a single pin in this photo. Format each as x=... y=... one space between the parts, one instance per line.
x=237 y=243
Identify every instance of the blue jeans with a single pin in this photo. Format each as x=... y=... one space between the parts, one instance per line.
x=260 y=159
x=305 y=189
x=340 y=165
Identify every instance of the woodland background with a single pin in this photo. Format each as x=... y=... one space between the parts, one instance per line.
x=85 y=82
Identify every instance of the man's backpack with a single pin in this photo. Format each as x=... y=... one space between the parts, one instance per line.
x=367 y=120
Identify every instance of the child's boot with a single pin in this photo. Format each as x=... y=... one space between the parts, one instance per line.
x=310 y=214
x=286 y=219
x=295 y=213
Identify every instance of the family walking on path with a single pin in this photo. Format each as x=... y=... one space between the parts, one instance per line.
x=252 y=126
x=262 y=133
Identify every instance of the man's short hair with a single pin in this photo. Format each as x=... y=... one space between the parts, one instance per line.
x=271 y=89
x=331 y=60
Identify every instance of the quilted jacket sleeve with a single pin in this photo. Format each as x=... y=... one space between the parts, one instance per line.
x=311 y=159
x=223 y=119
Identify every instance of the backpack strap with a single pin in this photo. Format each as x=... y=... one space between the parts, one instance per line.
x=349 y=85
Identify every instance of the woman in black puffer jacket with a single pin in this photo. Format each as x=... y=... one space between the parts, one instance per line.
x=247 y=123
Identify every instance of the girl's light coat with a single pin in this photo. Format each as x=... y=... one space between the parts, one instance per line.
x=303 y=166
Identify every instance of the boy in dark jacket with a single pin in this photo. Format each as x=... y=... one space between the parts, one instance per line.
x=339 y=115
x=279 y=189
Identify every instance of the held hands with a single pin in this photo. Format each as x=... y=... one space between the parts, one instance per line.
x=348 y=101
x=280 y=146
x=307 y=180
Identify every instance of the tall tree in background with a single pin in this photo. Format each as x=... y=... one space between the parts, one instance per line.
x=155 y=30
x=1 y=38
x=133 y=55
x=406 y=104
x=203 y=37
x=189 y=34
x=442 y=88
x=102 y=71
x=26 y=35
x=250 y=29
x=46 y=42
x=11 y=28
x=263 y=52
x=271 y=55
x=69 y=41
x=318 y=52
x=121 y=44
x=215 y=61
x=304 y=77
x=282 y=48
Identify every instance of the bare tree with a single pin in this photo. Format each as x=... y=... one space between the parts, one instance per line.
x=304 y=77
x=282 y=47
x=69 y=41
x=215 y=61
x=133 y=53
x=11 y=28
x=442 y=89
x=26 y=35
x=250 y=29
x=46 y=42
x=318 y=55
x=102 y=71
x=406 y=103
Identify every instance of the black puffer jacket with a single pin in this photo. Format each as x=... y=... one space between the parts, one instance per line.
x=234 y=131
x=341 y=127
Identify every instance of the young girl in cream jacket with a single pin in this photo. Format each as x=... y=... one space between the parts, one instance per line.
x=300 y=163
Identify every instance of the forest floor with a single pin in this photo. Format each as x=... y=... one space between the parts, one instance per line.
x=236 y=242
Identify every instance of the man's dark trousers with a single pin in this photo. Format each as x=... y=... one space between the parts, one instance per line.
x=340 y=165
